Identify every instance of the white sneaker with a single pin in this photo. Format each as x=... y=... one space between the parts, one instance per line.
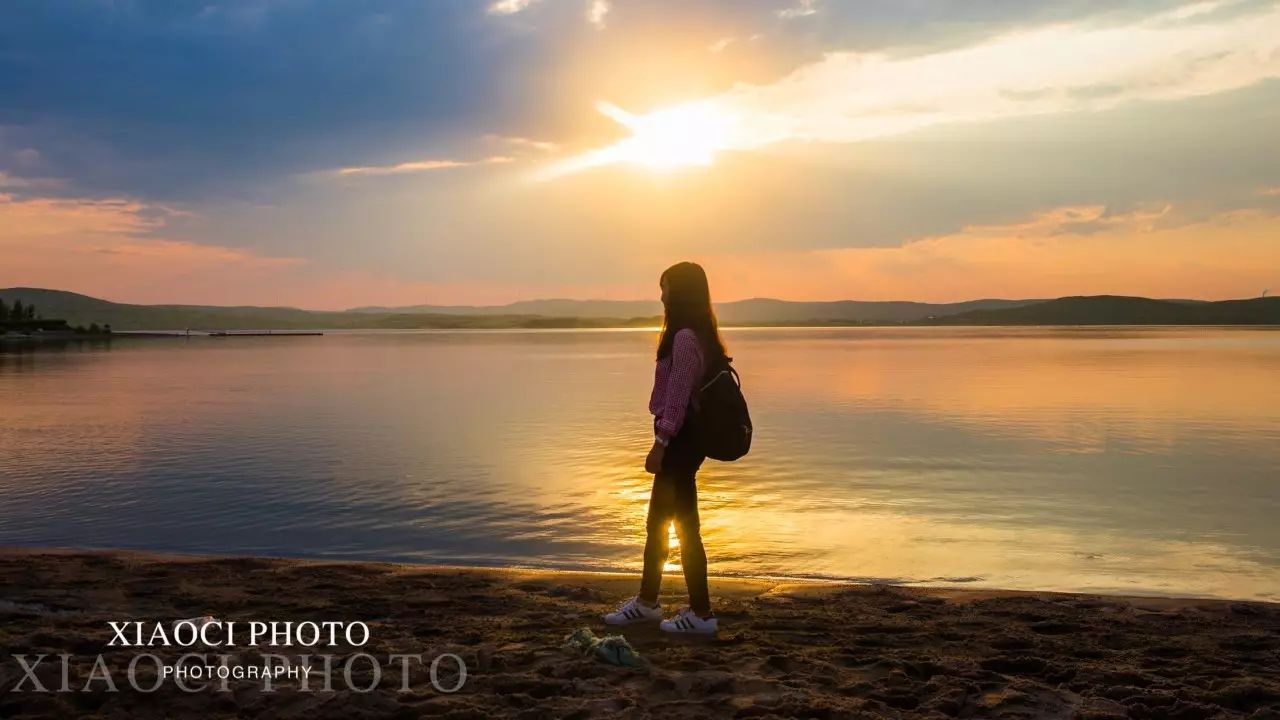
x=687 y=621
x=633 y=611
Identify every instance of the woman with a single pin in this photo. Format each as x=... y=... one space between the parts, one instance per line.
x=690 y=344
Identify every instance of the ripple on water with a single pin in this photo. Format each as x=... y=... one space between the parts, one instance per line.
x=1003 y=457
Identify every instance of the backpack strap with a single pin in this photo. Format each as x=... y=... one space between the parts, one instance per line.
x=728 y=369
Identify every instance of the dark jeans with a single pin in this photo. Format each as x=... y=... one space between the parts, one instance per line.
x=675 y=497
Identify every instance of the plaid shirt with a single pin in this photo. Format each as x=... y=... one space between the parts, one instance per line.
x=674 y=381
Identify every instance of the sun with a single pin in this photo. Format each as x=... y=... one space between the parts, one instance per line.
x=682 y=136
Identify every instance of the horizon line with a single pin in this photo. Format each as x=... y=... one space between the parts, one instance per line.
x=609 y=300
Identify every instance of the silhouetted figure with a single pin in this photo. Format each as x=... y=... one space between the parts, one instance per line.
x=690 y=343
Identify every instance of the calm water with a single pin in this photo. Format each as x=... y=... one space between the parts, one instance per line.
x=1113 y=460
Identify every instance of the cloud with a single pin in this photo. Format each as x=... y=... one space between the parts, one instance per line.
x=173 y=254
x=351 y=86
x=110 y=246
x=48 y=219
x=508 y=7
x=849 y=96
x=1196 y=9
x=721 y=44
x=12 y=182
x=802 y=8
x=596 y=12
x=419 y=166
x=25 y=162
x=1073 y=250
x=27 y=156
x=113 y=249
x=1270 y=192
x=523 y=143
x=1077 y=220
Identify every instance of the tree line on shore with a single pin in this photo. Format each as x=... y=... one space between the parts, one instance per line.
x=17 y=313
x=25 y=318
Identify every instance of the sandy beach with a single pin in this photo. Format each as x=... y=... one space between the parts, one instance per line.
x=784 y=650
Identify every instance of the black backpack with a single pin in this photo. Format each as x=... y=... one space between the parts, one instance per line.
x=723 y=420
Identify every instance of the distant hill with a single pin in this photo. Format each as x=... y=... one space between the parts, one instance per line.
x=549 y=308
x=79 y=309
x=754 y=311
x=82 y=309
x=1120 y=310
x=785 y=312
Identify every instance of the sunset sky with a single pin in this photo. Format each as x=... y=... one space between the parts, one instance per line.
x=335 y=154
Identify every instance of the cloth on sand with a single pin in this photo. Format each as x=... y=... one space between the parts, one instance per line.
x=613 y=649
x=196 y=622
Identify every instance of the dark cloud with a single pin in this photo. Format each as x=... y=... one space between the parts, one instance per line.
x=169 y=97
x=183 y=98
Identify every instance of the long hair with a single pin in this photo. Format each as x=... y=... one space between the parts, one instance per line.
x=688 y=305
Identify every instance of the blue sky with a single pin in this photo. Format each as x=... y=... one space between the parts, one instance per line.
x=334 y=153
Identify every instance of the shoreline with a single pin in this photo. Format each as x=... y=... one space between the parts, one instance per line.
x=309 y=330
x=785 y=648
x=814 y=583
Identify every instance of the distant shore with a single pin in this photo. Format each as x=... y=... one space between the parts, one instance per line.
x=785 y=649
x=62 y=338
x=76 y=309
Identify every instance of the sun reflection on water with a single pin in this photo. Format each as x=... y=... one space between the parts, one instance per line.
x=1108 y=459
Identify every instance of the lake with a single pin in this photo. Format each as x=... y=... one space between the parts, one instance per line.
x=1116 y=460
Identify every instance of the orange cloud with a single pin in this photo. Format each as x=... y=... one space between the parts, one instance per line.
x=178 y=252
x=420 y=166
x=110 y=248
x=1064 y=251
x=107 y=247
x=52 y=218
x=524 y=143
